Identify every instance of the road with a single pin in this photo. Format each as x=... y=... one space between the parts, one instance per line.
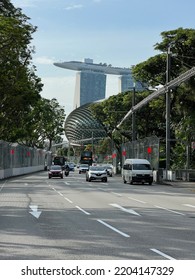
x=72 y=219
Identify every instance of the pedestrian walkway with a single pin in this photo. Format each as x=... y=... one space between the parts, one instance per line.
x=179 y=184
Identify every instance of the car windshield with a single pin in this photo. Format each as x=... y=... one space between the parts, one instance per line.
x=108 y=166
x=97 y=168
x=141 y=166
x=55 y=167
x=84 y=165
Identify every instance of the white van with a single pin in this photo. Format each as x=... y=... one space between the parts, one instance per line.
x=137 y=170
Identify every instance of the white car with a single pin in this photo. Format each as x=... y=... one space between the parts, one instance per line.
x=83 y=168
x=109 y=168
x=97 y=173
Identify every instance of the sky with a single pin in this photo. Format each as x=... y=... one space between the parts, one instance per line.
x=117 y=32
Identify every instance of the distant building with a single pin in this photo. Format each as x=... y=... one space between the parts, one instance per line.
x=91 y=80
x=90 y=86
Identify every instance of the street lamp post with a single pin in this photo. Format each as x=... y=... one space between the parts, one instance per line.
x=168 y=109
x=133 y=120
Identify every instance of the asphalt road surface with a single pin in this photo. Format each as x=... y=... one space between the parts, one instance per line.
x=72 y=219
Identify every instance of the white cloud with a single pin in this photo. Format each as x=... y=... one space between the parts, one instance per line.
x=78 y=6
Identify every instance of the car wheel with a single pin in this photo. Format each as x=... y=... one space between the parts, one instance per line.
x=89 y=179
x=124 y=180
x=106 y=179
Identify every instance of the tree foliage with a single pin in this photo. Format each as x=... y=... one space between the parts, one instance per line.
x=25 y=117
x=150 y=119
x=19 y=86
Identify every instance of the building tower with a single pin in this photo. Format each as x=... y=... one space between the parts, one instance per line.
x=91 y=79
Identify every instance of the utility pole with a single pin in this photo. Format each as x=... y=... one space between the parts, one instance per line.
x=168 y=100
x=133 y=120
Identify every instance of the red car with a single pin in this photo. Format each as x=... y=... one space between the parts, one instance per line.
x=55 y=171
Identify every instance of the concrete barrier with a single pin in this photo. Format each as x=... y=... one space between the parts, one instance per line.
x=10 y=172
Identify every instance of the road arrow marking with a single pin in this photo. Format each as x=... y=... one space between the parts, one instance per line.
x=131 y=211
x=35 y=211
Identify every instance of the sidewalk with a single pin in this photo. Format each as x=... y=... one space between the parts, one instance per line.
x=178 y=184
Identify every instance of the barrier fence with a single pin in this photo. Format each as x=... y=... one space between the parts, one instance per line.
x=16 y=159
x=147 y=148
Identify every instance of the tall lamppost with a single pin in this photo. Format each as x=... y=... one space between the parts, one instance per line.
x=133 y=120
x=168 y=100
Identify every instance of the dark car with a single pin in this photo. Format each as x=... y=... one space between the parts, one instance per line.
x=55 y=171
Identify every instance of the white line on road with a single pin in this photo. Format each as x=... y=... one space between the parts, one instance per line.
x=162 y=254
x=60 y=193
x=137 y=200
x=130 y=211
x=66 y=183
x=113 y=228
x=169 y=210
x=82 y=210
x=68 y=199
x=189 y=205
x=101 y=189
x=118 y=194
x=3 y=185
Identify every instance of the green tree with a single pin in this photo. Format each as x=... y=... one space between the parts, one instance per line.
x=45 y=123
x=150 y=119
x=19 y=86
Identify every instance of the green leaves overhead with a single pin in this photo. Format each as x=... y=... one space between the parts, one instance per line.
x=25 y=117
x=151 y=118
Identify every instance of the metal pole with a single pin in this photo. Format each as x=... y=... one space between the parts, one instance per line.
x=168 y=110
x=92 y=143
x=133 y=120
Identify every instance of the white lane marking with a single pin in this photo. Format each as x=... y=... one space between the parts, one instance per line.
x=101 y=189
x=118 y=194
x=82 y=210
x=3 y=185
x=130 y=211
x=113 y=228
x=175 y=212
x=162 y=254
x=60 y=193
x=68 y=199
x=189 y=205
x=66 y=183
x=54 y=189
x=137 y=200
